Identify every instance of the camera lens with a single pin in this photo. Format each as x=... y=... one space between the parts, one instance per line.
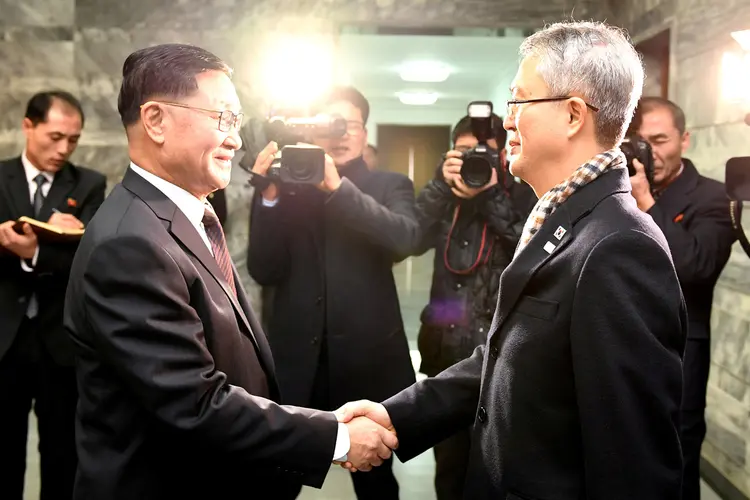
x=301 y=172
x=476 y=171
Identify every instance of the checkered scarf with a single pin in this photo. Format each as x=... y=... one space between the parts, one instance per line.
x=556 y=196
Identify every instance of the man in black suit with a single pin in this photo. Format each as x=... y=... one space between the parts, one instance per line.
x=576 y=393
x=693 y=213
x=177 y=385
x=329 y=251
x=36 y=355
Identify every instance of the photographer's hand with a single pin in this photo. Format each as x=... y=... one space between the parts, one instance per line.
x=331 y=179
x=461 y=190
x=452 y=167
x=262 y=163
x=640 y=188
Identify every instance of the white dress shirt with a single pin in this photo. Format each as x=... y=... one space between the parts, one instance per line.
x=193 y=209
x=31 y=173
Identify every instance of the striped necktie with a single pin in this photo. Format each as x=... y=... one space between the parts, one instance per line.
x=219 y=245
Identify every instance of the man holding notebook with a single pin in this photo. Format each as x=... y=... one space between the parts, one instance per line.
x=36 y=357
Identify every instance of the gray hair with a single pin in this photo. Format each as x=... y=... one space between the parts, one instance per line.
x=596 y=61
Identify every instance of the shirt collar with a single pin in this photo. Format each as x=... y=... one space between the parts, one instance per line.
x=32 y=171
x=192 y=207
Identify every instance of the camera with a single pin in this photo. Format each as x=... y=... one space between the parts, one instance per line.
x=478 y=163
x=636 y=148
x=737 y=177
x=301 y=164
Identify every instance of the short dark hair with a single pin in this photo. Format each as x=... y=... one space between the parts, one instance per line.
x=167 y=71
x=650 y=103
x=37 y=110
x=350 y=95
x=463 y=127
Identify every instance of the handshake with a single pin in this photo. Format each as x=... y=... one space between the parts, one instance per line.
x=371 y=435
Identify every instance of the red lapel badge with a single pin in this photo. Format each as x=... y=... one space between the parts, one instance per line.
x=72 y=203
x=679 y=218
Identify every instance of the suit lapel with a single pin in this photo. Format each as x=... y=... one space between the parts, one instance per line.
x=182 y=230
x=17 y=189
x=554 y=235
x=674 y=200
x=62 y=185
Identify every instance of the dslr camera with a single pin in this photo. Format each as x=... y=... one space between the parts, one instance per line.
x=478 y=163
x=636 y=148
x=301 y=163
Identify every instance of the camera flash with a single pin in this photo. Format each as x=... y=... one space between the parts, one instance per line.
x=480 y=110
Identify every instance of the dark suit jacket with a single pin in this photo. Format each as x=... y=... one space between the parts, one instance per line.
x=693 y=213
x=50 y=276
x=169 y=366
x=576 y=394
x=331 y=260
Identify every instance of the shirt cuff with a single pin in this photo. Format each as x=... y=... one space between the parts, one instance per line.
x=25 y=266
x=342 y=444
x=269 y=203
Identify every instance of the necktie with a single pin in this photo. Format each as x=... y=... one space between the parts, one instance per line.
x=219 y=245
x=40 y=181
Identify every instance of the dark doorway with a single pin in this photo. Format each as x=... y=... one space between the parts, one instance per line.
x=414 y=151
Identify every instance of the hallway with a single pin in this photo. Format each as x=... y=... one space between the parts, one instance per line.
x=413 y=278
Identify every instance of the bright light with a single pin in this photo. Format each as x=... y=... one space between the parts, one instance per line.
x=424 y=71
x=417 y=98
x=735 y=76
x=743 y=38
x=297 y=70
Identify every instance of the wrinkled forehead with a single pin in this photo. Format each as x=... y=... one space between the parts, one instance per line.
x=216 y=91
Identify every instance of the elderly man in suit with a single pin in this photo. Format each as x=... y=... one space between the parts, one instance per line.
x=177 y=384
x=36 y=355
x=576 y=393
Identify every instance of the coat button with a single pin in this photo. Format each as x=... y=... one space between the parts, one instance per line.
x=319 y=299
x=482 y=414
x=494 y=352
x=314 y=340
x=21 y=300
x=465 y=243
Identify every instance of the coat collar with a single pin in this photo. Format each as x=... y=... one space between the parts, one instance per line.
x=555 y=234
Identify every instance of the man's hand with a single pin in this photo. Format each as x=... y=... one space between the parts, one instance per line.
x=262 y=163
x=452 y=175
x=24 y=245
x=375 y=412
x=331 y=179
x=640 y=188
x=67 y=221
x=370 y=444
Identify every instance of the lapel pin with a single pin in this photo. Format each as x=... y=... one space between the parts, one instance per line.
x=72 y=202
x=560 y=232
x=549 y=247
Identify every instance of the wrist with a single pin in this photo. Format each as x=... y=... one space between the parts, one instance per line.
x=646 y=202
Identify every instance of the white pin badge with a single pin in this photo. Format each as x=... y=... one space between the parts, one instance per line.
x=560 y=232
x=549 y=247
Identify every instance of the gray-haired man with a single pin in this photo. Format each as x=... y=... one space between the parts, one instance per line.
x=576 y=393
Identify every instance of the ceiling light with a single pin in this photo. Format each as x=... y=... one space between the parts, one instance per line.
x=424 y=71
x=743 y=38
x=417 y=98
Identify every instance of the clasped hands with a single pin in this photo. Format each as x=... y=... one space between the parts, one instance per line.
x=371 y=435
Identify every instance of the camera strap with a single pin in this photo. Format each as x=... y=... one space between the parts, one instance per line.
x=479 y=259
x=735 y=212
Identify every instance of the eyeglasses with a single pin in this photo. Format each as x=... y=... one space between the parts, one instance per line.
x=354 y=127
x=227 y=118
x=513 y=105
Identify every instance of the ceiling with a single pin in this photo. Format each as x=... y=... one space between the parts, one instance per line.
x=480 y=65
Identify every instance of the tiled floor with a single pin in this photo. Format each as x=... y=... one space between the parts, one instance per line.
x=413 y=278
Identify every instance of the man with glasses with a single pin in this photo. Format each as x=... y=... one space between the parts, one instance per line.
x=335 y=328
x=178 y=394
x=576 y=393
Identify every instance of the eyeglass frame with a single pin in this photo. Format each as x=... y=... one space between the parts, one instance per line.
x=544 y=99
x=236 y=117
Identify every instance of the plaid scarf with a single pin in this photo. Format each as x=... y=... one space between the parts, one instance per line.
x=556 y=196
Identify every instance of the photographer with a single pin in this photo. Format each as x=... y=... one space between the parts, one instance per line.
x=328 y=250
x=693 y=213
x=474 y=232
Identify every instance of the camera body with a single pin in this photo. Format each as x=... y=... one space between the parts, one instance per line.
x=301 y=163
x=636 y=148
x=478 y=162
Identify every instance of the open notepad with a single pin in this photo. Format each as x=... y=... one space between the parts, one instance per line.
x=47 y=232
